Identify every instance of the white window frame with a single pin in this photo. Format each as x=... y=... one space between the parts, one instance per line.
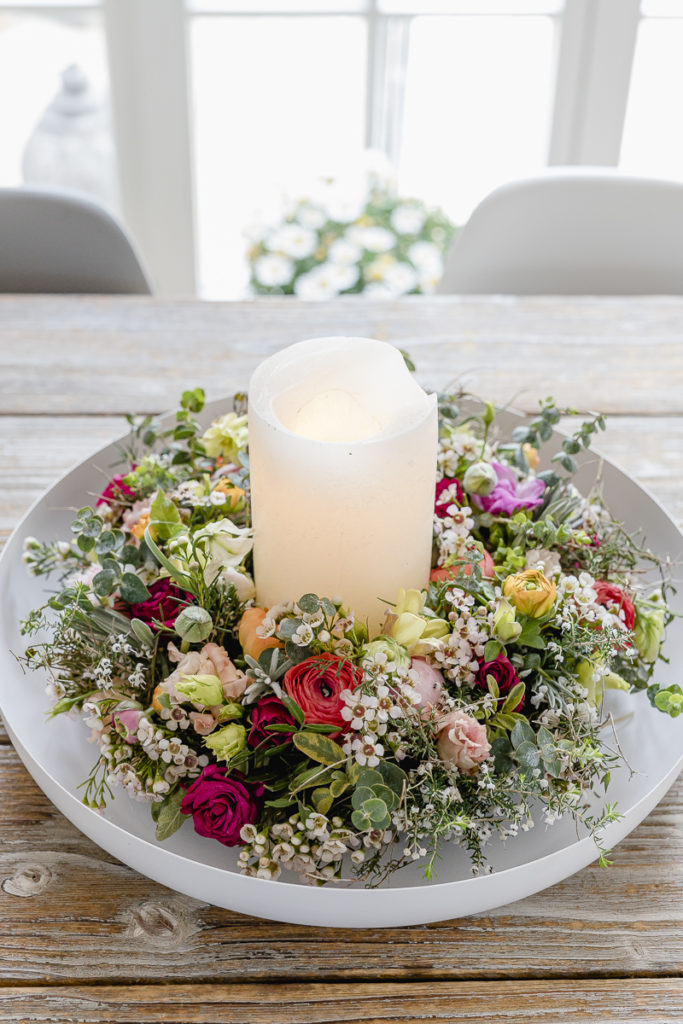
x=147 y=43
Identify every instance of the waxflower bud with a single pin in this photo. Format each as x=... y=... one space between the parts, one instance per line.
x=387 y=646
x=505 y=626
x=202 y=689
x=530 y=592
x=649 y=629
x=480 y=478
x=225 y=743
x=194 y=624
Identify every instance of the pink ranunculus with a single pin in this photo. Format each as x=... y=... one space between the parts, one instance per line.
x=509 y=494
x=220 y=804
x=117 y=493
x=461 y=741
x=164 y=604
x=444 y=500
x=125 y=721
x=269 y=711
x=429 y=683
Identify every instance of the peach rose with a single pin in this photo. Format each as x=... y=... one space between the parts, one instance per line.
x=252 y=643
x=461 y=741
x=211 y=660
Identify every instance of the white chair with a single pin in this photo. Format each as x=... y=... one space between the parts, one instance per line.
x=572 y=232
x=58 y=241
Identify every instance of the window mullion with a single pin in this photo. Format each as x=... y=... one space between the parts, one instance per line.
x=597 y=44
x=149 y=81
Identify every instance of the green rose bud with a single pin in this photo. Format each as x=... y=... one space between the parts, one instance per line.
x=194 y=624
x=649 y=628
x=388 y=646
x=225 y=743
x=480 y=478
x=228 y=712
x=505 y=625
x=202 y=689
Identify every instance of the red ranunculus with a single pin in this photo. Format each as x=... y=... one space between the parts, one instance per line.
x=503 y=671
x=441 y=506
x=315 y=684
x=116 y=492
x=220 y=804
x=269 y=711
x=614 y=598
x=165 y=603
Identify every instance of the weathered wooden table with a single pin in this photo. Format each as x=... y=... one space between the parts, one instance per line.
x=83 y=938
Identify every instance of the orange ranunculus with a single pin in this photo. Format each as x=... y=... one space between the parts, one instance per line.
x=235 y=495
x=139 y=529
x=486 y=565
x=252 y=643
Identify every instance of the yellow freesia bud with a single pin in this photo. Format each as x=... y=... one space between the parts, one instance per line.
x=593 y=677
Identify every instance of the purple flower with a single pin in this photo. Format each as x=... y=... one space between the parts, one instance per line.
x=509 y=494
x=220 y=804
x=269 y=711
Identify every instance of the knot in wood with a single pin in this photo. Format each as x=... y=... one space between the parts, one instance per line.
x=28 y=880
x=157 y=923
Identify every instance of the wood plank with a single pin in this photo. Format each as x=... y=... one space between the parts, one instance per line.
x=638 y=1002
x=71 y=913
x=114 y=354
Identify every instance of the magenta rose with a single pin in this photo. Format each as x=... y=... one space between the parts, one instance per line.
x=510 y=494
x=503 y=671
x=269 y=711
x=220 y=804
x=448 y=491
x=165 y=603
x=117 y=492
x=316 y=683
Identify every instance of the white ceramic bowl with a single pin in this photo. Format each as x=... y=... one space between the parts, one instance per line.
x=58 y=756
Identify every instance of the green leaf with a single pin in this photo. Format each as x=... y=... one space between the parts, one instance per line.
x=193 y=400
x=513 y=698
x=85 y=544
x=370 y=777
x=492 y=685
x=108 y=541
x=66 y=703
x=142 y=632
x=501 y=749
x=296 y=653
x=328 y=607
x=492 y=649
x=309 y=603
x=522 y=733
x=377 y=812
x=322 y=799
x=339 y=786
x=528 y=755
x=165 y=518
x=394 y=777
x=319 y=748
x=281 y=801
x=361 y=821
x=294 y=709
x=531 y=635
x=132 y=589
x=104 y=583
x=288 y=628
x=170 y=816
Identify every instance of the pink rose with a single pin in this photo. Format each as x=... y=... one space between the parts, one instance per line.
x=461 y=741
x=429 y=683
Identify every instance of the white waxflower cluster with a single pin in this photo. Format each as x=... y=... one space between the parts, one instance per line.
x=313 y=847
x=182 y=760
x=576 y=595
x=463 y=648
x=452 y=532
x=456 y=445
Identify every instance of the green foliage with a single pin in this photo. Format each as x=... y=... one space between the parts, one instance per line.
x=169 y=817
x=318 y=747
x=377 y=793
x=668 y=699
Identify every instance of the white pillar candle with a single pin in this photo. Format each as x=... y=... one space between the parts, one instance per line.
x=342 y=449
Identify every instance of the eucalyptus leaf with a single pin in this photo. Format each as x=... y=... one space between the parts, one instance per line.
x=132 y=589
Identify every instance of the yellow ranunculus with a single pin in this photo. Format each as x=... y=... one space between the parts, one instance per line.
x=530 y=592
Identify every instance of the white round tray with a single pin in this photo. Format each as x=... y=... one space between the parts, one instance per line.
x=58 y=756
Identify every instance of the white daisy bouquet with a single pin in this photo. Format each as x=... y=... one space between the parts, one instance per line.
x=293 y=733
x=340 y=242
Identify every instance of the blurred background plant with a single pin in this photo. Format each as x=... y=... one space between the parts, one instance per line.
x=347 y=237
